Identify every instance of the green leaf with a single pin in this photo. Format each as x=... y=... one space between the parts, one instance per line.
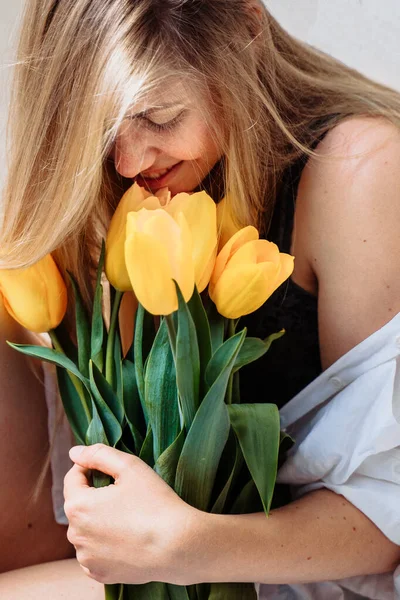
x=203 y=332
x=254 y=348
x=52 y=356
x=161 y=394
x=97 y=317
x=221 y=358
x=146 y=452
x=119 y=386
x=121 y=446
x=148 y=591
x=232 y=591
x=203 y=590
x=82 y=329
x=168 y=461
x=73 y=405
x=111 y=424
x=257 y=427
x=97 y=435
x=219 y=505
x=248 y=501
x=187 y=362
x=139 y=357
x=177 y=592
x=63 y=336
x=207 y=437
x=217 y=326
x=107 y=393
x=132 y=405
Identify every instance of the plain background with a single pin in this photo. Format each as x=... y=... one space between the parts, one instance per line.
x=361 y=33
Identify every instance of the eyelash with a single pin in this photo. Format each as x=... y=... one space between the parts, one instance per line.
x=162 y=128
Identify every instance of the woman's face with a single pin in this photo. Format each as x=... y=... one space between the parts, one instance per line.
x=166 y=142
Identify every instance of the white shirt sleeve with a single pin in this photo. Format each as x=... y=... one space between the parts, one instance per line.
x=346 y=425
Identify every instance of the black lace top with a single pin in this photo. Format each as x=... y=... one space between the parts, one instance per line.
x=293 y=361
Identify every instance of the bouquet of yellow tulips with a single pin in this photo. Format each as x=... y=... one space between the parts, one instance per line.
x=178 y=379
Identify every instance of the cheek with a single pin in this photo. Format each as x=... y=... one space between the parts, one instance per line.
x=195 y=143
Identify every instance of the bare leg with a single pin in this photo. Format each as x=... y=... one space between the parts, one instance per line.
x=62 y=579
x=28 y=532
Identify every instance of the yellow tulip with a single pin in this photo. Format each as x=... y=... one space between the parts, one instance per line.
x=115 y=267
x=247 y=271
x=158 y=249
x=36 y=296
x=201 y=215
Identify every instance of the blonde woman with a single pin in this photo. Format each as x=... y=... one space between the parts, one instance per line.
x=214 y=94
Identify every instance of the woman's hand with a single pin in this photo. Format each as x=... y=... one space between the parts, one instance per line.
x=133 y=531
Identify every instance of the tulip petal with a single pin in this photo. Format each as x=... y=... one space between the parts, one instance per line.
x=175 y=236
x=150 y=203
x=183 y=270
x=247 y=234
x=246 y=255
x=286 y=268
x=201 y=215
x=36 y=297
x=115 y=262
x=268 y=252
x=242 y=290
x=164 y=195
x=150 y=273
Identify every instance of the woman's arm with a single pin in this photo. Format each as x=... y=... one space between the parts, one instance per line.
x=320 y=537
x=347 y=239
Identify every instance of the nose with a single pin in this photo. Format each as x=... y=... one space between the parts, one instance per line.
x=133 y=154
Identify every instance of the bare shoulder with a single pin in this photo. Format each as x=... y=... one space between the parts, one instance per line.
x=359 y=135
x=347 y=230
x=358 y=151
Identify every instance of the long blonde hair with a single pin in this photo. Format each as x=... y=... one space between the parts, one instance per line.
x=81 y=64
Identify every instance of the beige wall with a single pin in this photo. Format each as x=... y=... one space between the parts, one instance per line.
x=362 y=33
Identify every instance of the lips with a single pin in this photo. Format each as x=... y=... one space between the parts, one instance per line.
x=157 y=178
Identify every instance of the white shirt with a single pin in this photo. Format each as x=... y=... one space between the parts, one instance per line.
x=346 y=424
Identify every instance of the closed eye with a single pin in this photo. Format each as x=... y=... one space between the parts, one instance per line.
x=157 y=124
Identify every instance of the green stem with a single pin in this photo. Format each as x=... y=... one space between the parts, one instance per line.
x=232 y=327
x=55 y=341
x=172 y=342
x=231 y=332
x=171 y=334
x=111 y=338
x=113 y=592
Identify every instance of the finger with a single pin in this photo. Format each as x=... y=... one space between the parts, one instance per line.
x=102 y=458
x=76 y=479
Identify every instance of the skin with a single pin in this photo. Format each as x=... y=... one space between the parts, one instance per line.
x=28 y=530
x=163 y=132
x=352 y=270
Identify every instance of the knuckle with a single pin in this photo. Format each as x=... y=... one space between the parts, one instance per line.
x=100 y=577
x=96 y=448
x=71 y=509
x=71 y=536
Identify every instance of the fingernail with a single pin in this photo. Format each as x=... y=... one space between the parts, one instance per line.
x=76 y=451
